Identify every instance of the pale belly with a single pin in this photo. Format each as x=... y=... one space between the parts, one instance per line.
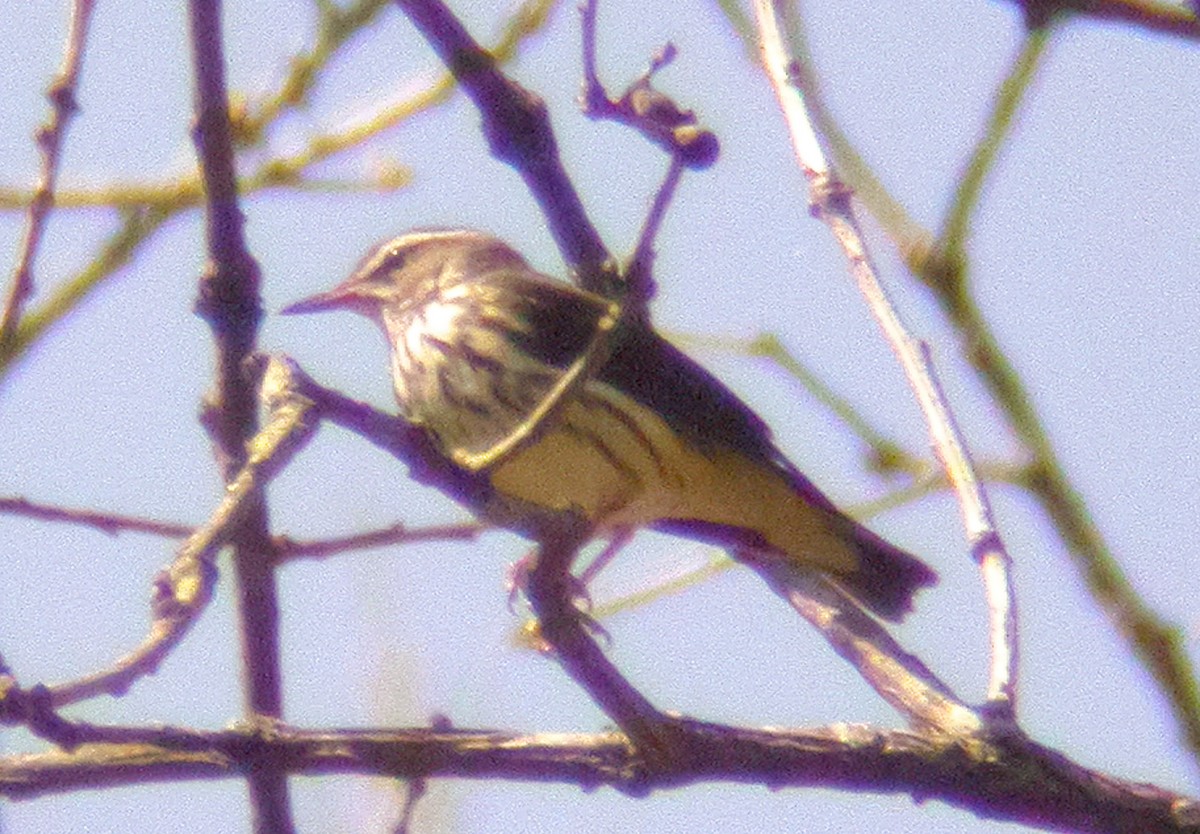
x=619 y=465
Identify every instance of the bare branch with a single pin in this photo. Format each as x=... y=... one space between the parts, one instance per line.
x=640 y=273
x=110 y=523
x=641 y=107
x=229 y=301
x=414 y=794
x=145 y=208
x=1152 y=15
x=1016 y=780
x=49 y=141
x=900 y=678
x=287 y=549
x=552 y=590
x=182 y=590
x=660 y=120
x=518 y=130
x=284 y=547
x=831 y=203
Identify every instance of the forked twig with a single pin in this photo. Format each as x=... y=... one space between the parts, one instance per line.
x=183 y=589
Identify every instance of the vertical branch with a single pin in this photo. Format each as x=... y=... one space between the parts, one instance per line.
x=830 y=201
x=229 y=301
x=551 y=590
x=49 y=141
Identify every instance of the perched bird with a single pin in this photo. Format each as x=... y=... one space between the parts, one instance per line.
x=481 y=344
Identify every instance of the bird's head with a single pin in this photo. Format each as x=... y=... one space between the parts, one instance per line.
x=407 y=269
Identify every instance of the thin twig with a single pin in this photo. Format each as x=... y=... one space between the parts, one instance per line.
x=110 y=523
x=390 y=432
x=563 y=392
x=951 y=243
x=886 y=454
x=284 y=547
x=49 y=141
x=831 y=203
x=413 y=794
x=651 y=113
x=660 y=120
x=287 y=549
x=136 y=226
x=640 y=271
x=182 y=590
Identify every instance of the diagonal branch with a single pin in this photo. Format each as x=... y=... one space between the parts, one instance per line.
x=49 y=141
x=518 y=131
x=183 y=589
x=900 y=678
x=831 y=203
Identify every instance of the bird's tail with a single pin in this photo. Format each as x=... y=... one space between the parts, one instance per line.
x=886 y=577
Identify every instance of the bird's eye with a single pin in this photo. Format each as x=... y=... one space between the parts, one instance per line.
x=393 y=262
x=379 y=266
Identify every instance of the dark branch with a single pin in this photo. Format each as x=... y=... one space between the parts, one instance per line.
x=229 y=301
x=1013 y=780
x=1164 y=18
x=518 y=131
x=110 y=523
x=651 y=113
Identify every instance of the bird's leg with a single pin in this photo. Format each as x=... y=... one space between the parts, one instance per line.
x=517 y=583
x=618 y=540
x=517 y=579
x=550 y=589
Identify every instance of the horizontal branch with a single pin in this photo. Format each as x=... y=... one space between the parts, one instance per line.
x=1012 y=779
x=109 y=523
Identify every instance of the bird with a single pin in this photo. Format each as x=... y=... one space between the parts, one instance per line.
x=563 y=405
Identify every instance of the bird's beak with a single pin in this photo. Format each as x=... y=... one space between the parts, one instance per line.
x=337 y=298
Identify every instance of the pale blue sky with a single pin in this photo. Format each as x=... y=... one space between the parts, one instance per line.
x=1085 y=255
